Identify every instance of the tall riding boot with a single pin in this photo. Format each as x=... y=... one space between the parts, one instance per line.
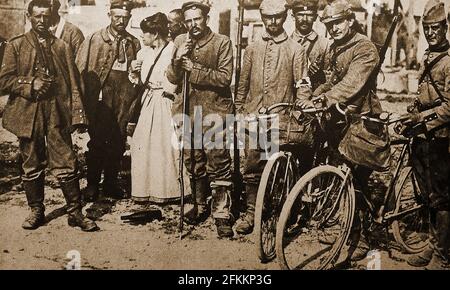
x=72 y=194
x=440 y=223
x=200 y=210
x=34 y=190
x=246 y=224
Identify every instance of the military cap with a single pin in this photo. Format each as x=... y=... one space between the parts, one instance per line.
x=203 y=5
x=433 y=12
x=122 y=4
x=304 y=5
x=273 y=7
x=336 y=10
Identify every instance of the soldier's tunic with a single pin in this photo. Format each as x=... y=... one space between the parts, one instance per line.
x=70 y=33
x=209 y=84
x=315 y=47
x=272 y=67
x=349 y=66
x=431 y=152
x=43 y=126
x=109 y=95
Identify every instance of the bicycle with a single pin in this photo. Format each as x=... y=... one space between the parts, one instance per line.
x=326 y=196
x=279 y=176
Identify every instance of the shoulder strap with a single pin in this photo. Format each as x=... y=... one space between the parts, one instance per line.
x=430 y=65
x=428 y=72
x=153 y=65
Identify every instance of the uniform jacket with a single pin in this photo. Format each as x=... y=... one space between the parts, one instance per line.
x=16 y=77
x=95 y=60
x=272 y=67
x=71 y=34
x=211 y=77
x=427 y=95
x=349 y=67
x=315 y=47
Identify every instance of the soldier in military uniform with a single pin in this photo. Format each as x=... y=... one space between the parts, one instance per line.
x=65 y=30
x=208 y=59
x=44 y=106
x=274 y=71
x=350 y=86
x=430 y=122
x=103 y=60
x=305 y=14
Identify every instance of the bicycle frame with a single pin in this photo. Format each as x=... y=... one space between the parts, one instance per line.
x=384 y=215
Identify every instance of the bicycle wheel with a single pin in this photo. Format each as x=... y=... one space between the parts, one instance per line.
x=323 y=204
x=410 y=229
x=279 y=176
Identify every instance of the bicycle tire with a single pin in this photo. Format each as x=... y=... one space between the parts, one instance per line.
x=268 y=205
x=344 y=203
x=413 y=239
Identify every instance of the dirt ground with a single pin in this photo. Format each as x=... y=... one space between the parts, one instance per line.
x=119 y=245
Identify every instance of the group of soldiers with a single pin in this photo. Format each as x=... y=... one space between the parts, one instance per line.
x=59 y=82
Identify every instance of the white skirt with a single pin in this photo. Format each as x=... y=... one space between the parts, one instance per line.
x=154 y=159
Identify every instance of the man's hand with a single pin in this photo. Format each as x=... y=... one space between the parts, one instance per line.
x=185 y=48
x=136 y=65
x=41 y=86
x=304 y=104
x=187 y=64
x=410 y=119
x=131 y=127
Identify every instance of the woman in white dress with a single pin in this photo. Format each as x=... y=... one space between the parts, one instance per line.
x=154 y=161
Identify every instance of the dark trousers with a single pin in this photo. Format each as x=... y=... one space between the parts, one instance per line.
x=50 y=146
x=108 y=129
x=431 y=164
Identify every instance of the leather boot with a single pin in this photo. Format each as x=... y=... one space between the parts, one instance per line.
x=34 y=190
x=200 y=210
x=246 y=224
x=440 y=223
x=72 y=194
x=221 y=207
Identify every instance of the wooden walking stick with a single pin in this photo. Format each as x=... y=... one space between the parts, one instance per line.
x=236 y=160
x=186 y=118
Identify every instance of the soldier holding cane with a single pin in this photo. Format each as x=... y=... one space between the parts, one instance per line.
x=208 y=57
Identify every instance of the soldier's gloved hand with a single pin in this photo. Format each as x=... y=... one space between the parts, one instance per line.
x=131 y=127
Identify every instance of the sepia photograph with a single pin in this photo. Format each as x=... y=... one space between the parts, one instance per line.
x=224 y=135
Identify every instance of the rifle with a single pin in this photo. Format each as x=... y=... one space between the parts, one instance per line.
x=371 y=81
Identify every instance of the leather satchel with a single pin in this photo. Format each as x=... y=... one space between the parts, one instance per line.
x=368 y=144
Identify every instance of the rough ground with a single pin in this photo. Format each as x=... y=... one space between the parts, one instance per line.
x=156 y=245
